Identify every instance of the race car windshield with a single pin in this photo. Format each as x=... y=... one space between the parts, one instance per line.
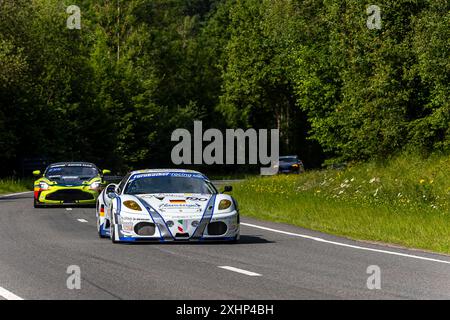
x=169 y=185
x=73 y=171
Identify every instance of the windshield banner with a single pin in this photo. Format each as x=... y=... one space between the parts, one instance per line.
x=167 y=174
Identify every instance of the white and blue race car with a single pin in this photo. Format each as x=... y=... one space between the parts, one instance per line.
x=166 y=205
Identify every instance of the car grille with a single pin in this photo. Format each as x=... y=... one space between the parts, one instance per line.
x=217 y=228
x=181 y=236
x=69 y=195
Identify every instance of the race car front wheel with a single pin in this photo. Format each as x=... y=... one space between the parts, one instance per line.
x=36 y=204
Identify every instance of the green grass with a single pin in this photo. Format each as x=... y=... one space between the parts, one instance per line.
x=10 y=185
x=403 y=202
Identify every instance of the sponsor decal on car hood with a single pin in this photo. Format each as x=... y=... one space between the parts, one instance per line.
x=179 y=216
x=178 y=205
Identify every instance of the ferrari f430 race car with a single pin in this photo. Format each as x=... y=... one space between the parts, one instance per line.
x=166 y=206
x=68 y=183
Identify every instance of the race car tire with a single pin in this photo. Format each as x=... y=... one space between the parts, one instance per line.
x=101 y=236
x=36 y=204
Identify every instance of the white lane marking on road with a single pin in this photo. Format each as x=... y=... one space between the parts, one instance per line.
x=82 y=220
x=8 y=295
x=14 y=194
x=345 y=244
x=248 y=273
x=69 y=209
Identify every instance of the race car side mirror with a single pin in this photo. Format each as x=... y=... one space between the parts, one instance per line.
x=106 y=171
x=37 y=173
x=227 y=189
x=111 y=188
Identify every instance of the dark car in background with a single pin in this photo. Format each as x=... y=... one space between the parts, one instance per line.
x=290 y=164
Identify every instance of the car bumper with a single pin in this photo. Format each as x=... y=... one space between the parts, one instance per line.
x=158 y=240
x=224 y=227
x=66 y=196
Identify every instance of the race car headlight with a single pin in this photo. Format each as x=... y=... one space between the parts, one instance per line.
x=130 y=204
x=95 y=185
x=224 y=204
x=43 y=186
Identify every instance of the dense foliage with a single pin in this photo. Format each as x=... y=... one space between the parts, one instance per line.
x=113 y=91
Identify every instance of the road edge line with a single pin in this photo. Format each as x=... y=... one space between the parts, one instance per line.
x=8 y=295
x=13 y=194
x=345 y=244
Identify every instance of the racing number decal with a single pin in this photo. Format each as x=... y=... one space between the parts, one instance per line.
x=196 y=199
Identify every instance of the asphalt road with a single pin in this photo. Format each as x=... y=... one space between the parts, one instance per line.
x=282 y=262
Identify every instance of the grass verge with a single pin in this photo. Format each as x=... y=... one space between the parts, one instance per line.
x=403 y=202
x=11 y=185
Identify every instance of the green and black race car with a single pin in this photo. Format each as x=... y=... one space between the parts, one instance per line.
x=68 y=183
